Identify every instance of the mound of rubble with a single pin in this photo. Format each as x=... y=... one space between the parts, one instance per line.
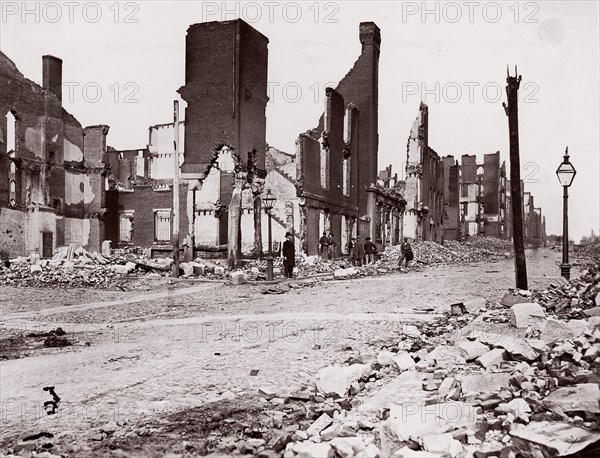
x=453 y=252
x=76 y=267
x=587 y=254
x=487 y=379
x=578 y=298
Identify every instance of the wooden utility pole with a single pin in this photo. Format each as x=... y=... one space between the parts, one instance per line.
x=512 y=111
x=175 y=213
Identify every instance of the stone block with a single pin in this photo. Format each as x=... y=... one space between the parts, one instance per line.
x=344 y=273
x=347 y=447
x=509 y=300
x=308 y=449
x=527 y=314
x=474 y=305
x=219 y=270
x=484 y=383
x=445 y=355
x=443 y=443
x=446 y=386
x=411 y=421
x=385 y=357
x=106 y=247
x=552 y=439
x=471 y=350
x=336 y=379
x=582 y=397
x=35 y=269
x=238 y=277
x=404 y=361
x=491 y=358
x=319 y=425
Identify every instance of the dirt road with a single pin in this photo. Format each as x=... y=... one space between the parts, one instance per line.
x=149 y=354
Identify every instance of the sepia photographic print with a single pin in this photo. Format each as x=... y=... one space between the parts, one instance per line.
x=329 y=229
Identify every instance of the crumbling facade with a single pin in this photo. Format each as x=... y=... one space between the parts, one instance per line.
x=337 y=161
x=222 y=161
x=482 y=197
x=533 y=223
x=226 y=94
x=330 y=184
x=385 y=207
x=51 y=168
x=423 y=187
x=477 y=201
x=452 y=206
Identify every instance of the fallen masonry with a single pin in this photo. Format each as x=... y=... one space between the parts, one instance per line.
x=430 y=394
x=75 y=266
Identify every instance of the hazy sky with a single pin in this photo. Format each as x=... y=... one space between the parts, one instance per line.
x=124 y=61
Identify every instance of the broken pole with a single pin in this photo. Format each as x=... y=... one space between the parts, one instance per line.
x=512 y=111
x=175 y=213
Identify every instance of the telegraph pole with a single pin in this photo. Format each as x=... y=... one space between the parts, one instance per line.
x=512 y=111
x=175 y=238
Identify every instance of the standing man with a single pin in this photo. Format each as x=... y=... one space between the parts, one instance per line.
x=332 y=245
x=289 y=255
x=406 y=253
x=358 y=255
x=351 y=243
x=370 y=250
x=324 y=245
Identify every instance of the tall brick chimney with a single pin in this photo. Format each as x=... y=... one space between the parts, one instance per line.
x=52 y=75
x=370 y=35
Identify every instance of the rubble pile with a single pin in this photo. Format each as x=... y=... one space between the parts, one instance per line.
x=70 y=267
x=452 y=252
x=578 y=298
x=47 y=273
x=587 y=254
x=512 y=382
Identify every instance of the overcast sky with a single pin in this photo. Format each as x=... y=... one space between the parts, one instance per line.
x=124 y=61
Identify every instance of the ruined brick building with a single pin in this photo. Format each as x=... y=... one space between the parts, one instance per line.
x=330 y=184
x=423 y=187
x=451 y=200
x=337 y=162
x=51 y=168
x=477 y=201
x=475 y=197
x=223 y=153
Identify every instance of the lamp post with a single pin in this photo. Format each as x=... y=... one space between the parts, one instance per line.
x=269 y=202
x=565 y=173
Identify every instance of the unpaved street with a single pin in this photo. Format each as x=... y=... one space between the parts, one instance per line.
x=143 y=355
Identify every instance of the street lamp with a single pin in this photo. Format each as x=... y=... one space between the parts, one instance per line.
x=565 y=173
x=269 y=202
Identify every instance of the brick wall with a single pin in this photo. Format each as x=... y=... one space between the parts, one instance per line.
x=50 y=157
x=491 y=176
x=360 y=87
x=451 y=198
x=143 y=200
x=226 y=92
x=12 y=232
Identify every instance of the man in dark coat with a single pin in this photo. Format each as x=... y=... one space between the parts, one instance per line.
x=358 y=255
x=289 y=255
x=332 y=245
x=370 y=250
x=406 y=253
x=324 y=245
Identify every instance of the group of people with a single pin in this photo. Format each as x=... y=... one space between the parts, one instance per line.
x=361 y=252
x=327 y=246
